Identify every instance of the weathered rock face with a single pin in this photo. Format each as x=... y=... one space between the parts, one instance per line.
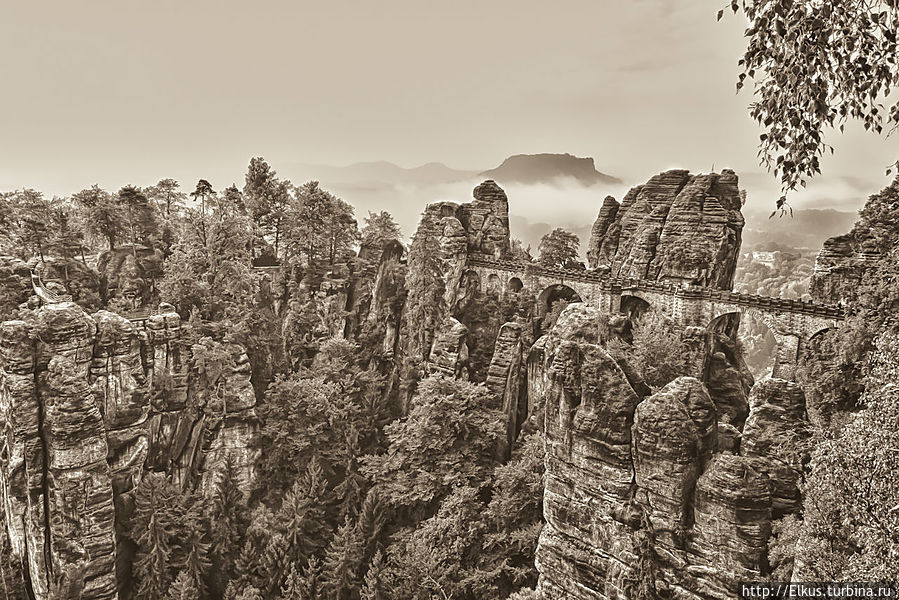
x=775 y=431
x=677 y=227
x=636 y=481
x=87 y=406
x=58 y=493
x=481 y=226
x=448 y=232
x=127 y=276
x=449 y=353
x=674 y=435
x=840 y=267
x=507 y=381
x=15 y=285
x=589 y=408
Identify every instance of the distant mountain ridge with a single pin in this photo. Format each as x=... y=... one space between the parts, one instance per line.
x=548 y=168
x=380 y=173
x=520 y=168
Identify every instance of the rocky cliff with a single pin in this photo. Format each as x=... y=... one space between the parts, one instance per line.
x=643 y=491
x=840 y=267
x=843 y=262
x=88 y=404
x=676 y=227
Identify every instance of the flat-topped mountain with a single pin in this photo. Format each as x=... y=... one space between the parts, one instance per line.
x=546 y=168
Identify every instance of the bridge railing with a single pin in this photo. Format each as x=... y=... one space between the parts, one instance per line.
x=628 y=283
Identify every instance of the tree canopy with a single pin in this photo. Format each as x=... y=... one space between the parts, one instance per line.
x=559 y=249
x=814 y=66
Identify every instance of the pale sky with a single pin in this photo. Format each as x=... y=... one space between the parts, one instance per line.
x=117 y=92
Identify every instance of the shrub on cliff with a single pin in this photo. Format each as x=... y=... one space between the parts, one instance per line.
x=658 y=353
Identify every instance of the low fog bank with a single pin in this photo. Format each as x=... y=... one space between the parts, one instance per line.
x=826 y=209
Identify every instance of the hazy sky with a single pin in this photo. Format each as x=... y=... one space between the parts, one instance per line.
x=123 y=91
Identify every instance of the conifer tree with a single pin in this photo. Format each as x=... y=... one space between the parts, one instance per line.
x=302 y=527
x=196 y=562
x=292 y=588
x=102 y=215
x=372 y=518
x=138 y=215
x=340 y=580
x=247 y=566
x=227 y=523
x=152 y=566
x=373 y=586
x=183 y=588
x=276 y=562
x=351 y=488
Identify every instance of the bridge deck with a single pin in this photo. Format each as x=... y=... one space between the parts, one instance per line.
x=626 y=283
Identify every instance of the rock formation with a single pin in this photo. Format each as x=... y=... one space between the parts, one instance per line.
x=676 y=227
x=840 y=267
x=127 y=276
x=437 y=284
x=88 y=405
x=15 y=285
x=653 y=489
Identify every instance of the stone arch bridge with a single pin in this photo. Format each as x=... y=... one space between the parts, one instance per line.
x=792 y=322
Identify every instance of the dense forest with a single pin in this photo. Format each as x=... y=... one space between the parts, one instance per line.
x=350 y=502
x=364 y=489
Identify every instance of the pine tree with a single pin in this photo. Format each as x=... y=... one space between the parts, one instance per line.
x=140 y=220
x=306 y=508
x=292 y=588
x=302 y=521
x=183 y=588
x=247 y=567
x=102 y=216
x=152 y=565
x=349 y=491
x=275 y=562
x=227 y=522
x=310 y=585
x=196 y=563
x=372 y=518
x=373 y=587
x=340 y=580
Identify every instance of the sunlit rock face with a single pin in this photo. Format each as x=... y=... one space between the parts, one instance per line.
x=676 y=227
x=654 y=489
x=88 y=405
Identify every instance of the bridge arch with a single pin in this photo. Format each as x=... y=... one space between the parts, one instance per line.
x=818 y=332
x=553 y=294
x=514 y=284
x=727 y=323
x=633 y=306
